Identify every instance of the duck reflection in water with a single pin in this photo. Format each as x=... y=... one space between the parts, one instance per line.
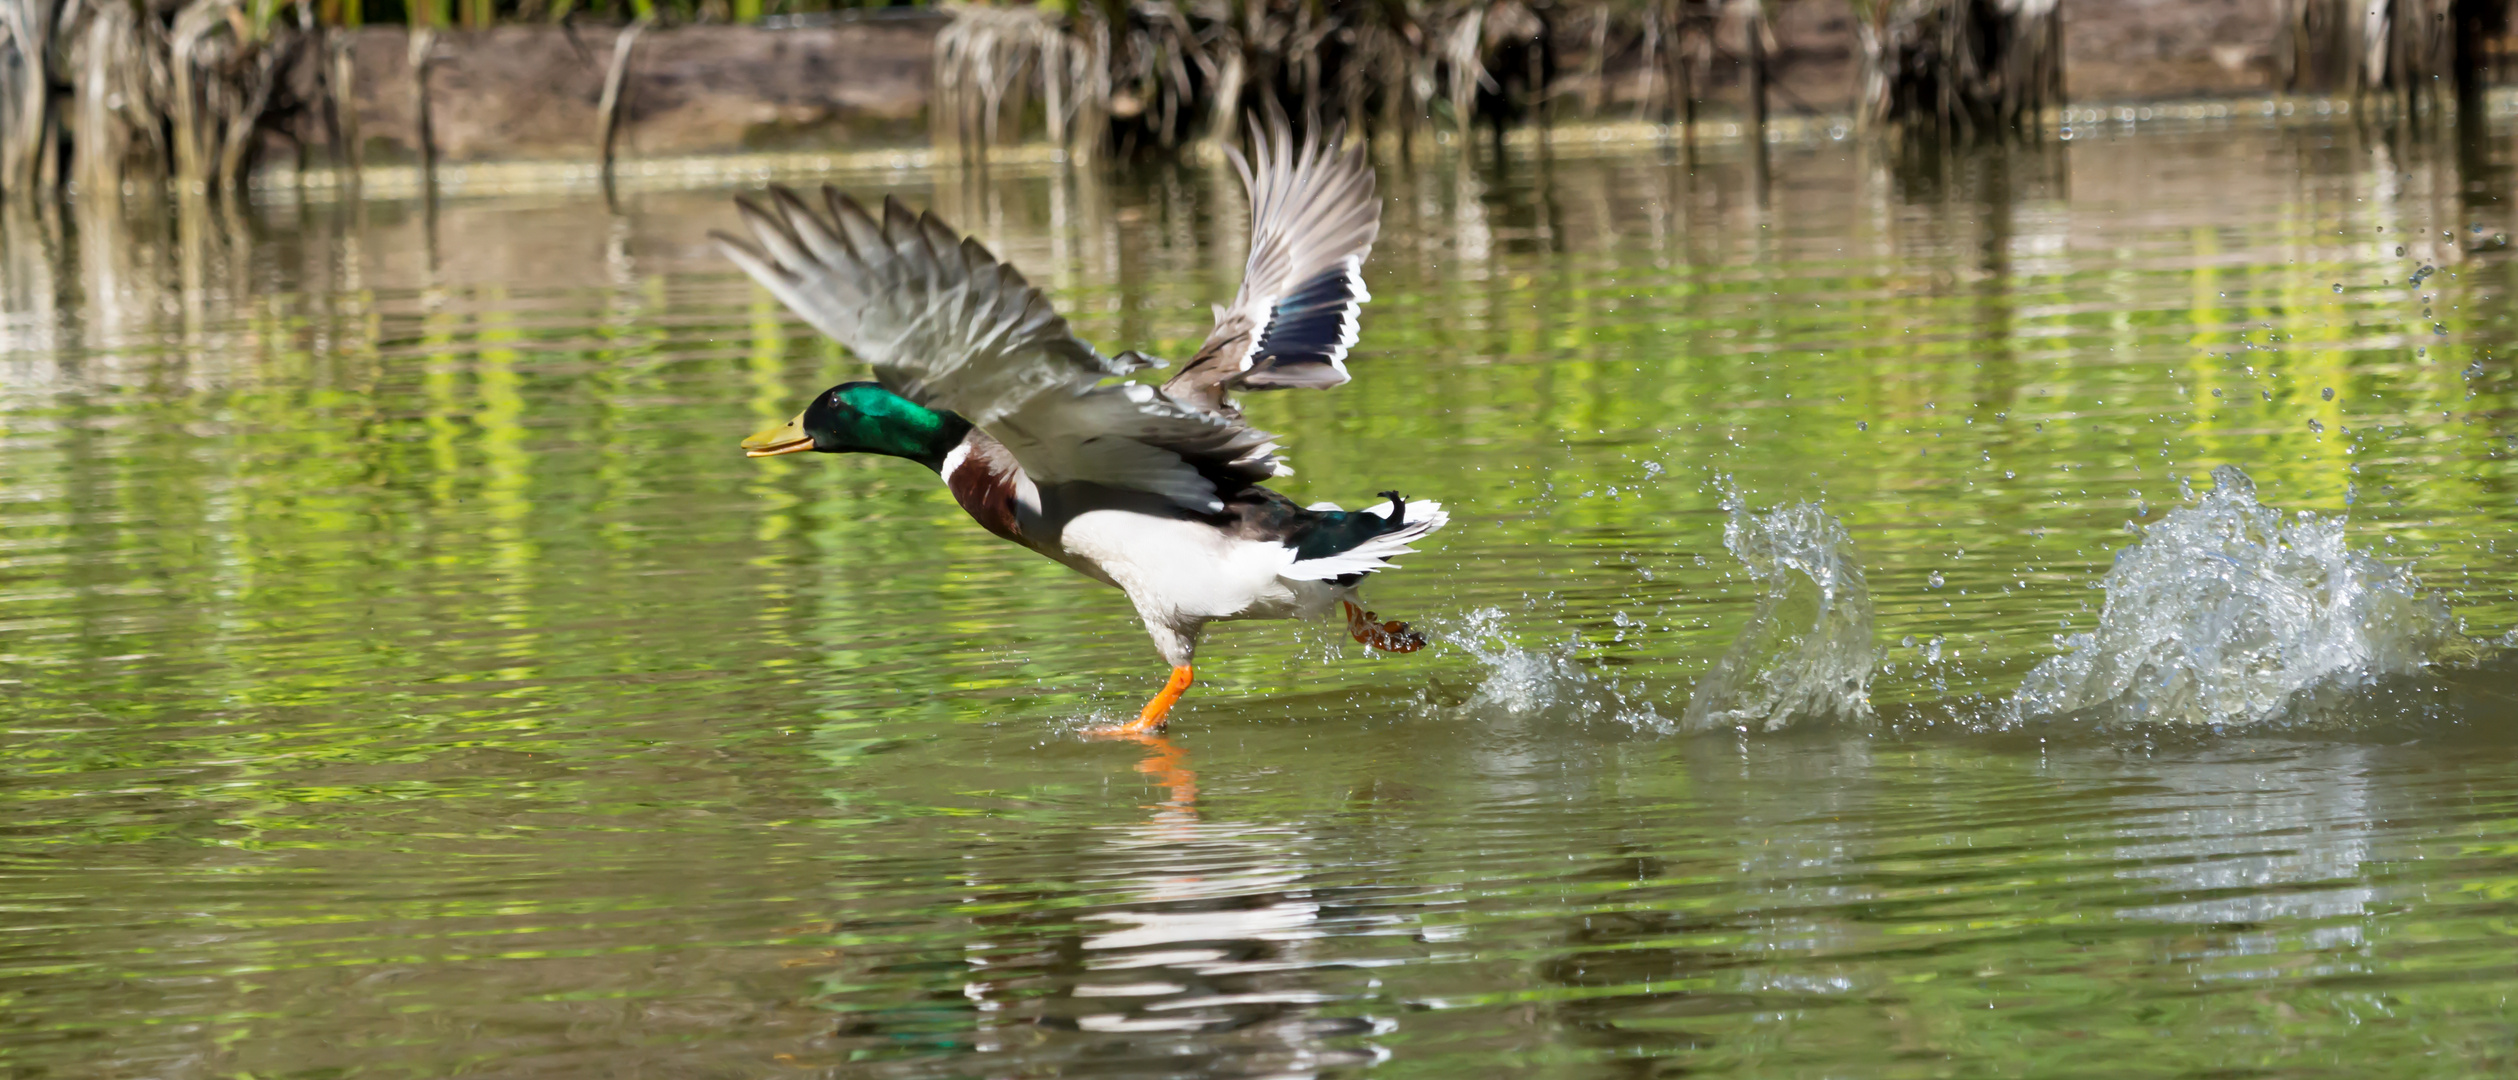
x=1177 y=945
x=1210 y=953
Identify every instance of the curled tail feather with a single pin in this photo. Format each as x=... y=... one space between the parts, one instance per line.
x=1343 y=544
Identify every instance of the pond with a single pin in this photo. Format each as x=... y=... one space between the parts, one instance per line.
x=404 y=674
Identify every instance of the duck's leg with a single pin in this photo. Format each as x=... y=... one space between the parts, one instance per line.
x=1385 y=636
x=1149 y=721
x=1150 y=718
x=1177 y=646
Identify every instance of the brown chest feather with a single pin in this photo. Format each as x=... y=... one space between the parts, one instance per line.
x=983 y=482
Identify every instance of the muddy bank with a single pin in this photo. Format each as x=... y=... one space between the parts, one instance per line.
x=2114 y=50
x=531 y=92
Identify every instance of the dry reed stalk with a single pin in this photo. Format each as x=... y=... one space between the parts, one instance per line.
x=228 y=71
x=118 y=119
x=982 y=56
x=1674 y=41
x=26 y=122
x=2365 y=47
x=129 y=90
x=349 y=152
x=419 y=53
x=608 y=109
x=1961 y=68
x=1121 y=73
x=1753 y=46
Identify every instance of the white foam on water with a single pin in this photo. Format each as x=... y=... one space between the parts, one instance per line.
x=2226 y=610
x=1518 y=680
x=1807 y=652
x=1524 y=682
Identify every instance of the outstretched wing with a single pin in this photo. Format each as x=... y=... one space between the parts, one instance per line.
x=1314 y=214
x=944 y=324
x=941 y=320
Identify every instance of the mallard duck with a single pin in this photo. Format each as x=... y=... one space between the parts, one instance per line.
x=1156 y=491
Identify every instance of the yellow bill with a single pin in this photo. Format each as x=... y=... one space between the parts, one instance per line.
x=787 y=438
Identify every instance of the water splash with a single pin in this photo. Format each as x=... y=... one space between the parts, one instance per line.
x=2225 y=610
x=1807 y=652
x=1519 y=680
x=1524 y=682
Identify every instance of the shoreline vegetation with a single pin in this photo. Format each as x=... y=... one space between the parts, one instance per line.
x=100 y=98
x=1719 y=138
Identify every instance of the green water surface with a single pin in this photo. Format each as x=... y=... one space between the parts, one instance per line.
x=402 y=674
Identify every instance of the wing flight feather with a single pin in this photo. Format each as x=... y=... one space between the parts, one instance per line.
x=1314 y=215
x=945 y=324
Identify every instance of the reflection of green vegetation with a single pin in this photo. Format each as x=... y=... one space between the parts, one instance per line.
x=406 y=616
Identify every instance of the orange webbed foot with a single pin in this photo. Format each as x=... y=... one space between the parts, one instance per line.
x=1385 y=636
x=1149 y=722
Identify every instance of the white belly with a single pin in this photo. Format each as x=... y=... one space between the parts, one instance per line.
x=1184 y=573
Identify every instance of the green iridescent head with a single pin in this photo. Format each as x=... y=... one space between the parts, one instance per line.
x=863 y=418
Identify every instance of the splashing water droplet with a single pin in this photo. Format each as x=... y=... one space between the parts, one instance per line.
x=2226 y=609
x=1933 y=580
x=1519 y=681
x=2328 y=393
x=1807 y=651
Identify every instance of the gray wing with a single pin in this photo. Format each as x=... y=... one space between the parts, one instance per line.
x=944 y=324
x=1314 y=214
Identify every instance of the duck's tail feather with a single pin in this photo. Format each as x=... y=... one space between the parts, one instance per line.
x=1342 y=545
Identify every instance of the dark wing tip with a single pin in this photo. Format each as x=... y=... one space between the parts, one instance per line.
x=1330 y=144
x=1241 y=165
x=1270 y=117
x=787 y=200
x=768 y=225
x=753 y=260
x=896 y=215
x=942 y=240
x=726 y=239
x=840 y=204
